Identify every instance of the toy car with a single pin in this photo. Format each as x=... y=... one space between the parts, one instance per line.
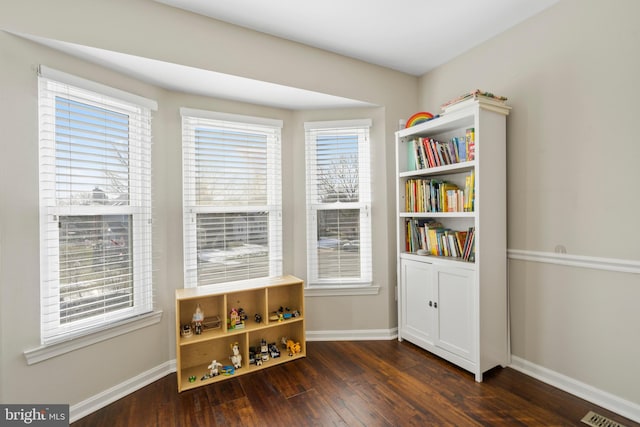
x=264 y=351
x=273 y=349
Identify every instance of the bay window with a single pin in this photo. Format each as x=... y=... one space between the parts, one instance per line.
x=338 y=203
x=95 y=205
x=232 y=197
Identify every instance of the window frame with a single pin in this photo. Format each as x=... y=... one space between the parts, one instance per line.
x=272 y=128
x=339 y=285
x=55 y=84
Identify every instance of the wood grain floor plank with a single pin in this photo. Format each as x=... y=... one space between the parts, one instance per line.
x=361 y=383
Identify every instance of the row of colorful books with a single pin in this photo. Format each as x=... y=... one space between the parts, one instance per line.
x=434 y=195
x=429 y=153
x=431 y=236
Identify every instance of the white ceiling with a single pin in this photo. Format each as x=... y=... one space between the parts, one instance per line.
x=411 y=36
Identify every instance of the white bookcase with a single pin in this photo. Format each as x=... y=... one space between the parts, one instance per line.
x=455 y=308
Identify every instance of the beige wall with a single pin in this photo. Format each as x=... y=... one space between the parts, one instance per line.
x=571 y=76
x=99 y=366
x=169 y=34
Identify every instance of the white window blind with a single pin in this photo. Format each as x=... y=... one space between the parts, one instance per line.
x=232 y=191
x=338 y=203
x=95 y=206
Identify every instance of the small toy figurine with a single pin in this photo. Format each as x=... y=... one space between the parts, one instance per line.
x=228 y=370
x=264 y=351
x=214 y=368
x=258 y=318
x=185 y=331
x=197 y=319
x=236 y=357
x=257 y=356
x=235 y=319
x=273 y=350
x=293 y=347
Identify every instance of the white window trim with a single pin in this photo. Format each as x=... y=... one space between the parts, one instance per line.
x=92 y=86
x=47 y=351
x=320 y=288
x=141 y=314
x=341 y=290
x=188 y=184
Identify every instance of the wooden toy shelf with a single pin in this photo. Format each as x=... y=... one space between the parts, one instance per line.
x=264 y=297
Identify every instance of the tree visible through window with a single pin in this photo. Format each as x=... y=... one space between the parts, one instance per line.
x=338 y=203
x=95 y=193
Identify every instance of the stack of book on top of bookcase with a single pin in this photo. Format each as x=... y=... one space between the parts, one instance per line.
x=469 y=97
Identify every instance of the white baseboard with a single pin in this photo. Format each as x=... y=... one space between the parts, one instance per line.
x=353 y=335
x=116 y=392
x=584 y=391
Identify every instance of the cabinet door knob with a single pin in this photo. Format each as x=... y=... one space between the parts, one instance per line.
x=435 y=305
x=430 y=303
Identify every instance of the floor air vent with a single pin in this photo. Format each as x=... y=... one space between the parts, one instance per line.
x=597 y=420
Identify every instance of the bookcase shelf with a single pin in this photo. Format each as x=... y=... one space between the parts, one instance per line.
x=266 y=297
x=455 y=305
x=439 y=170
x=436 y=214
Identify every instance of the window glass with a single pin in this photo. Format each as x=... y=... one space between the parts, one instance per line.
x=95 y=209
x=338 y=203
x=232 y=198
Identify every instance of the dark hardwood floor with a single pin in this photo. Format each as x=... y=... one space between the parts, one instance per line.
x=360 y=383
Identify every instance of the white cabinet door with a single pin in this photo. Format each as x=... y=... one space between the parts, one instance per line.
x=417 y=316
x=455 y=311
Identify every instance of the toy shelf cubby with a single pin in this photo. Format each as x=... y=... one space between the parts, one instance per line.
x=267 y=298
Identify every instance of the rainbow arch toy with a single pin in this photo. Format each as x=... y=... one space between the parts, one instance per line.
x=417 y=118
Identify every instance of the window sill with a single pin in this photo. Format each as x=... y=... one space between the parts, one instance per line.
x=47 y=351
x=340 y=290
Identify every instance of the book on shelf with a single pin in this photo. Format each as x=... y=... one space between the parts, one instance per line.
x=469 y=245
x=417 y=234
x=428 y=143
x=469 y=192
x=435 y=195
x=461 y=238
x=423 y=152
x=411 y=156
x=437 y=240
x=453 y=150
x=448 y=193
x=470 y=138
x=434 y=248
x=461 y=143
